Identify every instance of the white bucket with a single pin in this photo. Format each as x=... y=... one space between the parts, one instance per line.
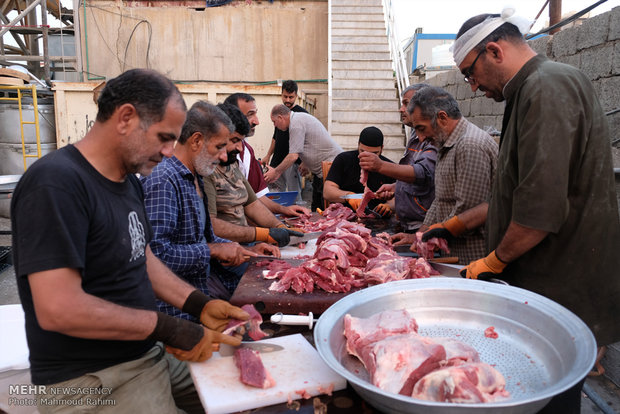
x=13 y=346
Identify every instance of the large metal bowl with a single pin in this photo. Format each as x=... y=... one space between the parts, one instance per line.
x=542 y=350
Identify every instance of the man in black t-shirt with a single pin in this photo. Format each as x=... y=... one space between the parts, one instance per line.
x=86 y=276
x=344 y=175
x=290 y=179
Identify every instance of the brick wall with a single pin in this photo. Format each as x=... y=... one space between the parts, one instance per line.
x=593 y=47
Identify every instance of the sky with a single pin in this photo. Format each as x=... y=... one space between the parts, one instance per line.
x=447 y=16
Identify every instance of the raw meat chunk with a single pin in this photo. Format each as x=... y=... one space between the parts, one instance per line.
x=251 y=368
x=396 y=363
x=368 y=195
x=361 y=332
x=467 y=383
x=386 y=268
x=457 y=352
x=428 y=248
x=490 y=333
x=252 y=326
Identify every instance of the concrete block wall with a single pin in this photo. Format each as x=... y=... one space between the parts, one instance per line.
x=593 y=47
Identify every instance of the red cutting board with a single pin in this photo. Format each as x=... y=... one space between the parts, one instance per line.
x=254 y=289
x=295 y=369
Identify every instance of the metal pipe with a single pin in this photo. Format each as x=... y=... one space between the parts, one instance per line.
x=46 y=55
x=597 y=399
x=19 y=17
x=77 y=36
x=555 y=14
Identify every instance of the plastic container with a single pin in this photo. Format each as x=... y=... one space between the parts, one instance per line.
x=285 y=198
x=13 y=346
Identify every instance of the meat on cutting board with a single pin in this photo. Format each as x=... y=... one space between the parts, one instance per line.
x=251 y=369
x=474 y=382
x=252 y=326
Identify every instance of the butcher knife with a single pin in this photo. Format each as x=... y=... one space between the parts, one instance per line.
x=262 y=347
x=262 y=257
x=305 y=238
x=352 y=196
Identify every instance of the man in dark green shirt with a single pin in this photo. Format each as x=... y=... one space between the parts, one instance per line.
x=552 y=219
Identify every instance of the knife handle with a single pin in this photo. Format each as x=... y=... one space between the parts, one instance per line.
x=282 y=319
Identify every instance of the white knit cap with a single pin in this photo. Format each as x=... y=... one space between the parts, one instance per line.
x=470 y=39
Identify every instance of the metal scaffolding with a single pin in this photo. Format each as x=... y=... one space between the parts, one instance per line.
x=25 y=31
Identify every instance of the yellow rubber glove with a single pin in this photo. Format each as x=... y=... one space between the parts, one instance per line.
x=384 y=210
x=212 y=313
x=204 y=348
x=216 y=314
x=485 y=268
x=453 y=227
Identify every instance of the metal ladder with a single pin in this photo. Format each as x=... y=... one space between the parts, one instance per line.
x=32 y=89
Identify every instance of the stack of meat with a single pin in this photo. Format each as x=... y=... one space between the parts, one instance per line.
x=332 y=215
x=434 y=369
x=347 y=256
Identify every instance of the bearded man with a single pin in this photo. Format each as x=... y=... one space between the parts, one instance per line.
x=466 y=164
x=176 y=202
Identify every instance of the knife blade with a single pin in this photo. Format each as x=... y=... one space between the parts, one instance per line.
x=262 y=347
x=257 y=258
x=352 y=196
x=305 y=238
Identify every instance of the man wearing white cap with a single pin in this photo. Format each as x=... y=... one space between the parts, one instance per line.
x=552 y=218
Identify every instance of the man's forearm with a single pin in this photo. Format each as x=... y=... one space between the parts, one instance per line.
x=286 y=162
x=61 y=305
x=232 y=231
x=167 y=286
x=333 y=193
x=474 y=217
x=272 y=206
x=260 y=214
x=517 y=241
x=404 y=173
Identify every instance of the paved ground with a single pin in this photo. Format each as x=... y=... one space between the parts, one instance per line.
x=608 y=392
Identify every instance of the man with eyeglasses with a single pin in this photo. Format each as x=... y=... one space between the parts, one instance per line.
x=552 y=218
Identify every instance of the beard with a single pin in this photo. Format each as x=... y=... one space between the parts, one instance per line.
x=232 y=158
x=440 y=137
x=205 y=164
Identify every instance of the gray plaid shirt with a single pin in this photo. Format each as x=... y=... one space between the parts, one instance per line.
x=465 y=169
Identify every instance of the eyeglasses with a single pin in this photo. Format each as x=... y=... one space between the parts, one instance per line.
x=468 y=72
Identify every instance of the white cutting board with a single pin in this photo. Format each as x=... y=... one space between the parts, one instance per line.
x=290 y=252
x=298 y=367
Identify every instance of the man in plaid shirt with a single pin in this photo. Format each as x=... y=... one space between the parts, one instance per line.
x=466 y=164
x=175 y=203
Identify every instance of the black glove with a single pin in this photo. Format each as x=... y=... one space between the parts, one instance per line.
x=276 y=235
x=450 y=228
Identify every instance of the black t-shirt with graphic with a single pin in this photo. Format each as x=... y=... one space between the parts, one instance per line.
x=64 y=214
